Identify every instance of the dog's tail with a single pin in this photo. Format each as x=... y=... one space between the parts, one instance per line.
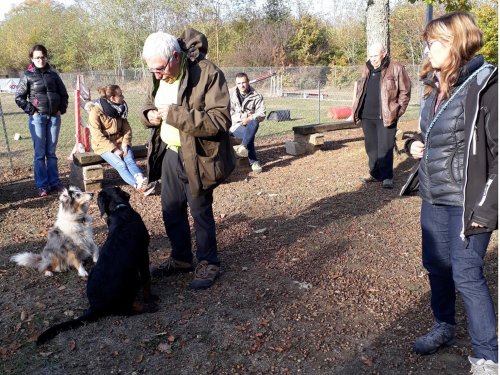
x=53 y=331
x=29 y=260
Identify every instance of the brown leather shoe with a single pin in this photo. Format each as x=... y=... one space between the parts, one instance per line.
x=368 y=178
x=171 y=267
x=388 y=183
x=205 y=275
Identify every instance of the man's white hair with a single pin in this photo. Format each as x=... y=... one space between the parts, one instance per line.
x=160 y=44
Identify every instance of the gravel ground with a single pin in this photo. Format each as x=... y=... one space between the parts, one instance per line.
x=321 y=275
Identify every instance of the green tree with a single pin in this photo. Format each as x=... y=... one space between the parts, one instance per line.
x=276 y=11
x=486 y=15
x=310 y=43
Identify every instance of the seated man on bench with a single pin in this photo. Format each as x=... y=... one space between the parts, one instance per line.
x=247 y=111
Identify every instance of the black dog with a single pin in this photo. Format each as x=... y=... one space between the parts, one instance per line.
x=121 y=270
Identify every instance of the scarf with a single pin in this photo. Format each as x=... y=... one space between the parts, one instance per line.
x=113 y=109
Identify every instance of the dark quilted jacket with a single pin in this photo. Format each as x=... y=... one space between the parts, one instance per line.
x=42 y=91
x=441 y=169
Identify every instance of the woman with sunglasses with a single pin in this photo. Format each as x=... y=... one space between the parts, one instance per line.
x=457 y=148
x=42 y=95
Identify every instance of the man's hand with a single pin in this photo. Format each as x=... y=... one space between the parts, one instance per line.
x=163 y=112
x=476 y=225
x=417 y=149
x=154 y=117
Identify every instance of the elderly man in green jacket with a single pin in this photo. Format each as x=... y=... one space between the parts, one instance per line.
x=189 y=149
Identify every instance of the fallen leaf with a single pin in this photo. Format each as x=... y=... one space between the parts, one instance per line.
x=139 y=358
x=23 y=315
x=171 y=338
x=367 y=361
x=18 y=327
x=72 y=345
x=45 y=354
x=165 y=348
x=40 y=305
x=260 y=230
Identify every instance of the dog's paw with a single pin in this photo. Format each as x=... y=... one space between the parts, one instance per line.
x=48 y=273
x=82 y=272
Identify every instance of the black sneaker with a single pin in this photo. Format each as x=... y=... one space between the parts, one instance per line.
x=171 y=267
x=441 y=334
x=205 y=275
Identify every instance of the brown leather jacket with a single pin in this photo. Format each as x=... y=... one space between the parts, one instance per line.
x=202 y=117
x=395 y=91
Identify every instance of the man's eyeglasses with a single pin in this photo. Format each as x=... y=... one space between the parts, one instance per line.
x=40 y=58
x=161 y=69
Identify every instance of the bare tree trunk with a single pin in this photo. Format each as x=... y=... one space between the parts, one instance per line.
x=377 y=22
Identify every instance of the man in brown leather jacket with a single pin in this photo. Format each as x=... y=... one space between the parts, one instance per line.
x=381 y=97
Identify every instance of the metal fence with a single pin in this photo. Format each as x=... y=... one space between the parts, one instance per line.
x=306 y=91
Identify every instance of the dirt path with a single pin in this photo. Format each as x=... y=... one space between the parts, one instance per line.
x=322 y=275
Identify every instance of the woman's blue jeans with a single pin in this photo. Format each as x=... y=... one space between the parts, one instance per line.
x=456 y=263
x=247 y=135
x=44 y=131
x=126 y=167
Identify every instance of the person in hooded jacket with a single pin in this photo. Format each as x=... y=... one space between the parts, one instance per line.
x=458 y=169
x=189 y=149
x=111 y=134
x=42 y=95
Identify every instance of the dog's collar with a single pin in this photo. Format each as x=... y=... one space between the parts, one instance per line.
x=119 y=206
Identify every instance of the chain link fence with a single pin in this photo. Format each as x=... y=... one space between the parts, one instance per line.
x=307 y=92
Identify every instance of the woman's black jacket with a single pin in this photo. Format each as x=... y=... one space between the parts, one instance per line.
x=42 y=91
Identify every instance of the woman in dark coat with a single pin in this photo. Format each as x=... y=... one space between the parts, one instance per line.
x=42 y=95
x=458 y=171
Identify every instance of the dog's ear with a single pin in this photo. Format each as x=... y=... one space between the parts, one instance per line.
x=122 y=194
x=103 y=202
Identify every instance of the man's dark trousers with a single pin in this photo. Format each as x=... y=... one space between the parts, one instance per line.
x=379 y=145
x=175 y=196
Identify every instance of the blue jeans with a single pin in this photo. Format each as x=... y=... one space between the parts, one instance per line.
x=247 y=135
x=126 y=167
x=456 y=263
x=44 y=131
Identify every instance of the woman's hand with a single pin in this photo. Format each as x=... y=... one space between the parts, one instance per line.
x=124 y=150
x=417 y=149
x=154 y=117
x=118 y=152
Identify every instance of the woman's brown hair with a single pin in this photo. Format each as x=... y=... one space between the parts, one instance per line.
x=108 y=91
x=459 y=31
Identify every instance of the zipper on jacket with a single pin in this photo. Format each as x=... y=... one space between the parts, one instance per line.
x=474 y=140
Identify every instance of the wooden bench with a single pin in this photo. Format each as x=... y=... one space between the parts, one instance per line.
x=309 y=138
x=87 y=171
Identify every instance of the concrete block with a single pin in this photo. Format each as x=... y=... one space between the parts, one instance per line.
x=93 y=186
x=317 y=139
x=93 y=173
x=295 y=148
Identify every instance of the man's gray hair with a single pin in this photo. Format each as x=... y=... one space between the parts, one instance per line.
x=160 y=44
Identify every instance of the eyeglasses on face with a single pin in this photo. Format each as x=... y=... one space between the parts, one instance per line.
x=429 y=43
x=40 y=58
x=161 y=69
